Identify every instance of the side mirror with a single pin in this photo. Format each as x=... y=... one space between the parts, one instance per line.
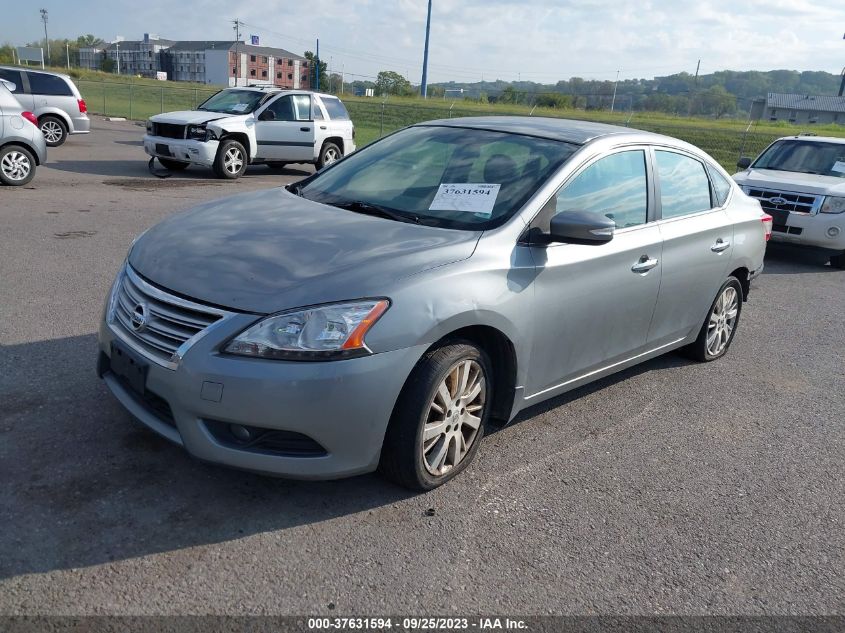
x=267 y=115
x=580 y=227
x=743 y=163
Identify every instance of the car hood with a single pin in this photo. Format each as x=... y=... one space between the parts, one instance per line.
x=791 y=181
x=272 y=250
x=189 y=117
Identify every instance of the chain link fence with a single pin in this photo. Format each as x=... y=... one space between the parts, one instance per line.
x=726 y=141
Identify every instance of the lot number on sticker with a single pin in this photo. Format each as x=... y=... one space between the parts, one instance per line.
x=469 y=197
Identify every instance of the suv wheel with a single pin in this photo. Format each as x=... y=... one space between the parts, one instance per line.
x=838 y=261
x=719 y=327
x=329 y=154
x=173 y=165
x=231 y=160
x=54 y=130
x=17 y=165
x=439 y=418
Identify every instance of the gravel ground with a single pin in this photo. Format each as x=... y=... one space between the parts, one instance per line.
x=673 y=487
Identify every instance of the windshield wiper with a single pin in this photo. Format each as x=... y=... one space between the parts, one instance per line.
x=367 y=208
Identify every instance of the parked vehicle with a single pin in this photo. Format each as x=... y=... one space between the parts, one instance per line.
x=53 y=98
x=22 y=146
x=239 y=126
x=378 y=313
x=800 y=181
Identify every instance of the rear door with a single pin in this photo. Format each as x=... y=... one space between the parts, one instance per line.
x=594 y=303
x=340 y=125
x=697 y=244
x=50 y=90
x=284 y=130
x=17 y=78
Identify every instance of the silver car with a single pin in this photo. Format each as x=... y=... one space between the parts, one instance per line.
x=53 y=98
x=379 y=313
x=22 y=146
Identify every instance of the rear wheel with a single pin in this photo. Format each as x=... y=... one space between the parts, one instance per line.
x=329 y=154
x=54 y=130
x=838 y=261
x=173 y=165
x=231 y=160
x=17 y=165
x=439 y=419
x=719 y=327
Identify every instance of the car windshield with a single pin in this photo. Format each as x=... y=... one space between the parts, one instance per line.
x=233 y=101
x=443 y=176
x=805 y=157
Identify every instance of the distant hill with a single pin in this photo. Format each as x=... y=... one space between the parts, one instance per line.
x=723 y=93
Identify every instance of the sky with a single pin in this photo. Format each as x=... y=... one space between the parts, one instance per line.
x=537 y=40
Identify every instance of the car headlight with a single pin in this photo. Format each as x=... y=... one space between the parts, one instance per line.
x=324 y=332
x=198 y=133
x=833 y=204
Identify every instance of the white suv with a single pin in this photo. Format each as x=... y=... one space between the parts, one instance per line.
x=800 y=182
x=240 y=126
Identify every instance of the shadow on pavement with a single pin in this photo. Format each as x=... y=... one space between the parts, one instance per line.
x=789 y=259
x=138 y=168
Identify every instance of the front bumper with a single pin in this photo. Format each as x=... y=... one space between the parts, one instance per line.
x=344 y=406
x=186 y=150
x=824 y=230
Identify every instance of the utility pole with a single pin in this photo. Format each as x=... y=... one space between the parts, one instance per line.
x=117 y=44
x=342 y=76
x=67 y=52
x=694 y=88
x=43 y=13
x=424 y=82
x=317 y=70
x=615 y=83
x=237 y=26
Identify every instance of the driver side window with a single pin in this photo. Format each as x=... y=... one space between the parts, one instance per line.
x=290 y=108
x=614 y=186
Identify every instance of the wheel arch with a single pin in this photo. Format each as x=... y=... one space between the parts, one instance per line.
x=744 y=277
x=337 y=140
x=243 y=139
x=23 y=145
x=59 y=114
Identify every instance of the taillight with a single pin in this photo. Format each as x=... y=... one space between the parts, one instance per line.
x=82 y=107
x=29 y=116
x=767 y=225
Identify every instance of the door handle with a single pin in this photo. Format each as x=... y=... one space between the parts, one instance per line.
x=720 y=246
x=322 y=127
x=644 y=265
x=305 y=129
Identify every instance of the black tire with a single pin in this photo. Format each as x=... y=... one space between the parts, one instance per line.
x=222 y=167
x=11 y=159
x=173 y=165
x=328 y=155
x=402 y=454
x=699 y=349
x=53 y=129
x=838 y=261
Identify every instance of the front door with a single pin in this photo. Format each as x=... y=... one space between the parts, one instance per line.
x=594 y=303
x=284 y=130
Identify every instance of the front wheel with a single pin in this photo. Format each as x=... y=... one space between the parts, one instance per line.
x=329 y=154
x=231 y=160
x=173 y=165
x=838 y=261
x=17 y=165
x=439 y=419
x=54 y=130
x=719 y=327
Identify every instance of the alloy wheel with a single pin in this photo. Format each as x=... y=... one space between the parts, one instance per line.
x=722 y=321
x=233 y=160
x=15 y=165
x=52 y=131
x=331 y=156
x=454 y=417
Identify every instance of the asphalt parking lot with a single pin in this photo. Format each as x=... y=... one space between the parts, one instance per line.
x=673 y=487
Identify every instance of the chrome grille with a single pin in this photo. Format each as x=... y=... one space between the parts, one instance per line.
x=156 y=323
x=786 y=201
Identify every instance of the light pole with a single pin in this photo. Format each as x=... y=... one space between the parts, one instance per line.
x=424 y=82
x=615 y=83
x=117 y=44
x=43 y=13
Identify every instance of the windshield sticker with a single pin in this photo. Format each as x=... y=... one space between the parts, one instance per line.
x=469 y=197
x=838 y=167
x=240 y=107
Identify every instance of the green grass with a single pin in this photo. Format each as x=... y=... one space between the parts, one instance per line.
x=724 y=139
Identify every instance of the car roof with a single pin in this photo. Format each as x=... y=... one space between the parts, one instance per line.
x=567 y=130
x=35 y=70
x=813 y=137
x=270 y=89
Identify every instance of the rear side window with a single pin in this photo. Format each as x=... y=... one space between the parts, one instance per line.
x=41 y=84
x=721 y=187
x=15 y=77
x=335 y=108
x=684 y=186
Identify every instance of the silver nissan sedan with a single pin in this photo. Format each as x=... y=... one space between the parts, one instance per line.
x=378 y=314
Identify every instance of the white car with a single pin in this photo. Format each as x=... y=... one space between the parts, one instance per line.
x=800 y=182
x=240 y=126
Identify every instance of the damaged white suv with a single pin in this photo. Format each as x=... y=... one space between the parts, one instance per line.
x=800 y=182
x=240 y=126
